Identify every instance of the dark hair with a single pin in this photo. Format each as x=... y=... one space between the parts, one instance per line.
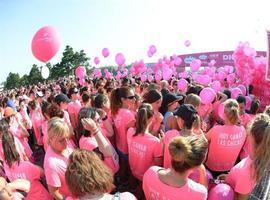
x=255 y=105
x=100 y=100
x=11 y=154
x=228 y=93
x=152 y=96
x=84 y=113
x=117 y=94
x=55 y=111
x=33 y=104
x=45 y=108
x=85 y=97
x=145 y=112
x=241 y=99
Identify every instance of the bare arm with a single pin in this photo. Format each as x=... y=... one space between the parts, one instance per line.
x=54 y=191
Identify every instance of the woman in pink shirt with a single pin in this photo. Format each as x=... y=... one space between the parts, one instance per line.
x=15 y=168
x=88 y=178
x=225 y=141
x=187 y=154
x=74 y=106
x=92 y=138
x=145 y=150
x=243 y=176
x=36 y=119
x=56 y=158
x=154 y=97
x=122 y=100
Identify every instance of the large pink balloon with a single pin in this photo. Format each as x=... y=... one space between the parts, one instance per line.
x=182 y=84
x=204 y=79
x=177 y=61
x=207 y=95
x=96 y=60
x=45 y=43
x=231 y=78
x=105 y=52
x=195 y=65
x=120 y=59
x=152 y=49
x=221 y=192
x=235 y=92
x=187 y=43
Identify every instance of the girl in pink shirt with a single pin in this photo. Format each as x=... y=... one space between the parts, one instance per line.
x=92 y=138
x=74 y=106
x=187 y=153
x=56 y=157
x=225 y=141
x=122 y=100
x=88 y=178
x=145 y=150
x=36 y=118
x=15 y=168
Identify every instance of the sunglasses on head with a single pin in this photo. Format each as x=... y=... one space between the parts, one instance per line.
x=130 y=97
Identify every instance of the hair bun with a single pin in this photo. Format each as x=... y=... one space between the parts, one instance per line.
x=179 y=149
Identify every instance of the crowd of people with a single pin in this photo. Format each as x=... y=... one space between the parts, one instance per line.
x=129 y=139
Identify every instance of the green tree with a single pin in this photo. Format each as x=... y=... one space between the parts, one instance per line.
x=13 y=81
x=34 y=75
x=70 y=60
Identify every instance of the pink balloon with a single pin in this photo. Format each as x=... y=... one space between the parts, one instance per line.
x=221 y=111
x=182 y=84
x=221 y=75
x=152 y=49
x=216 y=85
x=231 y=78
x=120 y=59
x=149 y=54
x=45 y=43
x=204 y=79
x=221 y=191
x=243 y=89
x=235 y=92
x=96 y=60
x=187 y=43
x=248 y=102
x=207 y=95
x=150 y=78
x=211 y=63
x=105 y=52
x=177 y=61
x=229 y=69
x=167 y=74
x=195 y=65
x=143 y=77
x=158 y=77
x=80 y=72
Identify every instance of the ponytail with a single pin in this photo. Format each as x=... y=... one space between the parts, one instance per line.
x=145 y=112
x=187 y=152
x=231 y=111
x=116 y=95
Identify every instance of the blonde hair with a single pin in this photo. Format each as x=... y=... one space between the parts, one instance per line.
x=57 y=127
x=187 y=152
x=86 y=174
x=193 y=99
x=231 y=110
x=260 y=132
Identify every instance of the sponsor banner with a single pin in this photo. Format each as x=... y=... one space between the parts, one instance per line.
x=222 y=58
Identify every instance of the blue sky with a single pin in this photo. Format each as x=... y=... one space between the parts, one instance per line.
x=129 y=26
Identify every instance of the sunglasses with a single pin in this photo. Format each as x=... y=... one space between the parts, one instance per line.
x=130 y=97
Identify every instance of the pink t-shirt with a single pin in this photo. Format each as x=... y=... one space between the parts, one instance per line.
x=121 y=120
x=225 y=145
x=142 y=150
x=27 y=170
x=155 y=189
x=240 y=177
x=74 y=109
x=55 y=166
x=245 y=119
x=66 y=117
x=44 y=128
x=37 y=119
x=169 y=135
x=90 y=143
